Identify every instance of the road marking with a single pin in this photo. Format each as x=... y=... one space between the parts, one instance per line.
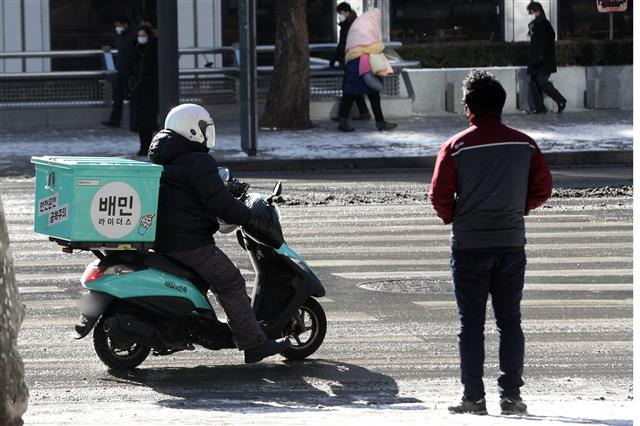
x=350 y=239
x=40 y=289
x=447 y=274
x=345 y=225
x=425 y=227
x=578 y=287
x=543 y=303
x=368 y=249
x=53 y=276
x=334 y=263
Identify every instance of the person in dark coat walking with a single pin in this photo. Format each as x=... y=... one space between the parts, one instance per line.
x=346 y=15
x=486 y=179
x=191 y=199
x=542 y=60
x=124 y=43
x=143 y=87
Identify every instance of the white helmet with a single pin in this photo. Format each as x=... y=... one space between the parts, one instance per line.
x=193 y=122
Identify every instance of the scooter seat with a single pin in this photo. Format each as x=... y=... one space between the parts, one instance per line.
x=164 y=264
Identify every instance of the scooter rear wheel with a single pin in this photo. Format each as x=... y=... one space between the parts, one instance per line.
x=306 y=330
x=116 y=354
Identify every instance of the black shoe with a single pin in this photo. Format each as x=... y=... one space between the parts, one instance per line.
x=111 y=124
x=142 y=153
x=513 y=406
x=344 y=126
x=561 y=106
x=385 y=125
x=363 y=117
x=466 y=406
x=537 y=111
x=268 y=348
x=336 y=119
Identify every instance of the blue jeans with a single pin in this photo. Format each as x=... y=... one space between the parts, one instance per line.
x=476 y=274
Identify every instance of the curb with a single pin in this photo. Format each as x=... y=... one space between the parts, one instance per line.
x=578 y=158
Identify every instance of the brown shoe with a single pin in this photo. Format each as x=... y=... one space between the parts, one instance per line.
x=363 y=117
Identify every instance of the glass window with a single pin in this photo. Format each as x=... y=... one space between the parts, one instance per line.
x=88 y=24
x=580 y=19
x=446 y=20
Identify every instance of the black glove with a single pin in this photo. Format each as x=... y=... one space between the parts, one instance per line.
x=262 y=224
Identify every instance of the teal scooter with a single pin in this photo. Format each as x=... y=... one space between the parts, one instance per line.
x=141 y=302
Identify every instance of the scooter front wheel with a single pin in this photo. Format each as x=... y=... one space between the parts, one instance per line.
x=306 y=330
x=116 y=354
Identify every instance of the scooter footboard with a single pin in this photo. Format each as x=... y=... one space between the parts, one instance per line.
x=278 y=304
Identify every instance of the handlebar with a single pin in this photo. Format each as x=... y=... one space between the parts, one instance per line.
x=237 y=188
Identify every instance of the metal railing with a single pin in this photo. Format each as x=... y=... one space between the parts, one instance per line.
x=208 y=84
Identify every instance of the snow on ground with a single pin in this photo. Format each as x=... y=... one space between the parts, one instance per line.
x=415 y=137
x=543 y=412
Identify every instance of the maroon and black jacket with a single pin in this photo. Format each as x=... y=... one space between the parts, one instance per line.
x=486 y=179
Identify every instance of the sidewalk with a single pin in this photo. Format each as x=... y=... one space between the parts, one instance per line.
x=588 y=137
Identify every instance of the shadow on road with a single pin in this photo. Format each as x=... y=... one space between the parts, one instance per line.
x=287 y=386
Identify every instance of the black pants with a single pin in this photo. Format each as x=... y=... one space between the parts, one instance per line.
x=540 y=84
x=347 y=103
x=226 y=282
x=146 y=136
x=360 y=103
x=476 y=274
x=119 y=93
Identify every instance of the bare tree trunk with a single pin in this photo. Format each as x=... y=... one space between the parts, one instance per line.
x=13 y=391
x=287 y=104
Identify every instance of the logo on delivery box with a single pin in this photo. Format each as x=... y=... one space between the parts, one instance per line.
x=115 y=210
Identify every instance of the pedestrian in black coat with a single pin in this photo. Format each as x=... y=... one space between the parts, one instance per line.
x=542 y=60
x=143 y=87
x=125 y=39
x=346 y=16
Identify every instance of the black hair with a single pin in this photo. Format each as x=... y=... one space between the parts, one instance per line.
x=123 y=19
x=148 y=18
x=534 y=6
x=344 y=7
x=147 y=29
x=483 y=94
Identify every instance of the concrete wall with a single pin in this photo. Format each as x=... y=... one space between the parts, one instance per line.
x=423 y=91
x=610 y=87
x=439 y=91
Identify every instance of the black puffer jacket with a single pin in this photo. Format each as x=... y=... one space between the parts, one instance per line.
x=542 y=49
x=192 y=195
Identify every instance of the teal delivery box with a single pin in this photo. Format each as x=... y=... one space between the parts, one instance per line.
x=97 y=200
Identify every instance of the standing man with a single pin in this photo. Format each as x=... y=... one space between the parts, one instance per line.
x=486 y=179
x=542 y=60
x=346 y=16
x=124 y=43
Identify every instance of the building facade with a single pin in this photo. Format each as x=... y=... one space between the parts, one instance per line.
x=41 y=25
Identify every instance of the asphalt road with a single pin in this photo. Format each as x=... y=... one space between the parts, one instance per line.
x=390 y=354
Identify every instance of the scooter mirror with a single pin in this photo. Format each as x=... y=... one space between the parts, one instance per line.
x=277 y=190
x=224 y=173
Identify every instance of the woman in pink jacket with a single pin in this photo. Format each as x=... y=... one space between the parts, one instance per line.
x=365 y=63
